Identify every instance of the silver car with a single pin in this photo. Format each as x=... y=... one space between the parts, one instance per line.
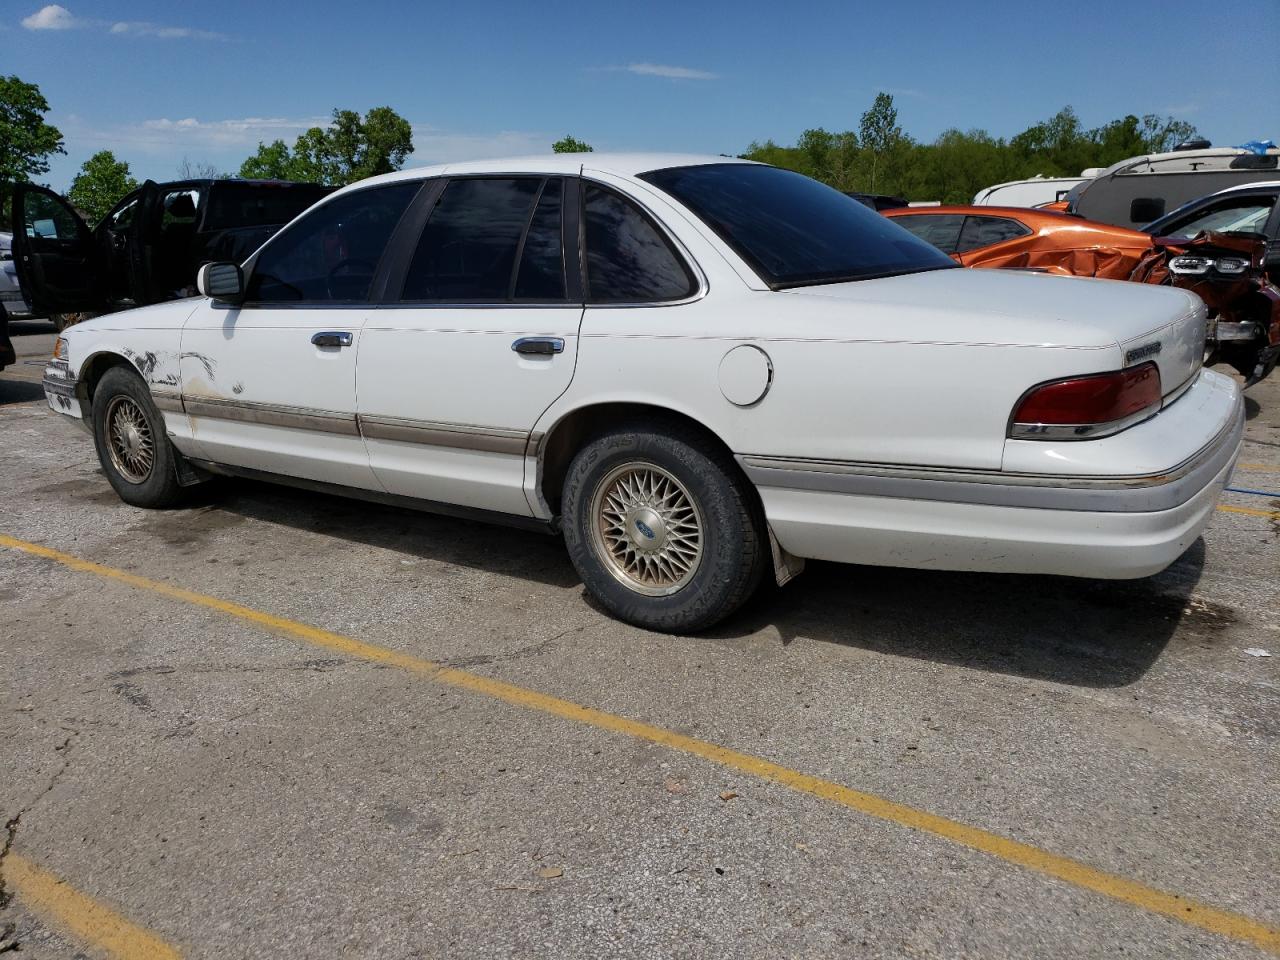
x=10 y=293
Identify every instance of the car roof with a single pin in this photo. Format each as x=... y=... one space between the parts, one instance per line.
x=619 y=164
x=1242 y=187
x=979 y=210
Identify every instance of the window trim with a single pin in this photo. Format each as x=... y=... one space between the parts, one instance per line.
x=673 y=243
x=251 y=265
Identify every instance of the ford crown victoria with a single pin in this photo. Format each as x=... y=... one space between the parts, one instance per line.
x=699 y=371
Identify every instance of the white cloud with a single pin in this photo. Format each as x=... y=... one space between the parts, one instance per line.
x=52 y=17
x=141 y=28
x=57 y=17
x=670 y=72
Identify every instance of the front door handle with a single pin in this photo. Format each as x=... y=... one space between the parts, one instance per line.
x=332 y=338
x=538 y=346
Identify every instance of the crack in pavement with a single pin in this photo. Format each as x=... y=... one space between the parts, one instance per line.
x=9 y=941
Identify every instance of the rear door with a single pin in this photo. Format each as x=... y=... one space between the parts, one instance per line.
x=60 y=266
x=477 y=336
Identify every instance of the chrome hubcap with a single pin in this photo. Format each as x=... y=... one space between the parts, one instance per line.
x=646 y=529
x=129 y=440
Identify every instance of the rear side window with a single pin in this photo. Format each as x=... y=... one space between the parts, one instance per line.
x=940 y=229
x=986 y=231
x=628 y=258
x=469 y=248
x=332 y=253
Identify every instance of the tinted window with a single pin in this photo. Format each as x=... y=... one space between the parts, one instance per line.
x=794 y=230
x=628 y=259
x=331 y=254
x=940 y=229
x=985 y=231
x=48 y=219
x=234 y=204
x=541 y=273
x=468 y=249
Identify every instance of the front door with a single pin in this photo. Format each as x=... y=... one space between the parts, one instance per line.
x=477 y=337
x=271 y=385
x=60 y=268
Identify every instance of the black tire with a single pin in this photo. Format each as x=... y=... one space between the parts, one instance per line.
x=733 y=550
x=157 y=487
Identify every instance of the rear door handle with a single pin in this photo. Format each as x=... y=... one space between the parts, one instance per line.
x=538 y=346
x=332 y=338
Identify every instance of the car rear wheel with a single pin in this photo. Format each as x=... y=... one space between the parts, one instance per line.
x=133 y=449
x=662 y=527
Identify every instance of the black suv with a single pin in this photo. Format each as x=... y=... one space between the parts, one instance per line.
x=149 y=247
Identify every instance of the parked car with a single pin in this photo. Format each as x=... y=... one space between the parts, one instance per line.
x=148 y=247
x=985 y=236
x=1244 y=316
x=1136 y=191
x=11 y=298
x=697 y=370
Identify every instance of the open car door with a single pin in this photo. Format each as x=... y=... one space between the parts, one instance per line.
x=60 y=268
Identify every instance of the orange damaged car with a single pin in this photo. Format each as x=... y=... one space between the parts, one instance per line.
x=1034 y=239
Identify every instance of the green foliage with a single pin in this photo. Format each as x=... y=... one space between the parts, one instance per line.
x=26 y=141
x=881 y=158
x=100 y=184
x=571 y=145
x=351 y=148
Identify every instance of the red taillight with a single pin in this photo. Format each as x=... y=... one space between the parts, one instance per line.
x=1089 y=406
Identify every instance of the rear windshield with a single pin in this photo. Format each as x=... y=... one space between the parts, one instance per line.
x=259 y=204
x=793 y=230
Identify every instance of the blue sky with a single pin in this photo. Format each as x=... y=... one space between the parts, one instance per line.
x=156 y=82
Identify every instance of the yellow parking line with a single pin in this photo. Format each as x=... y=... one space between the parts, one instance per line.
x=1222 y=922
x=84 y=917
x=1272 y=514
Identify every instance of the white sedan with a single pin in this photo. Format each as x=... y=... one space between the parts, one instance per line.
x=700 y=371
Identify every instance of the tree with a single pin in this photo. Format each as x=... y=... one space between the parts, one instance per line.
x=199 y=171
x=881 y=134
x=569 y=144
x=351 y=148
x=101 y=182
x=26 y=141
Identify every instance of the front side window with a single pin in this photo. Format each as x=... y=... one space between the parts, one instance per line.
x=940 y=229
x=988 y=231
x=793 y=230
x=46 y=218
x=1246 y=215
x=121 y=218
x=469 y=247
x=628 y=258
x=332 y=253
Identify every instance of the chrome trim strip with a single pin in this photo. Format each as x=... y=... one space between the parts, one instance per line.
x=1131 y=493
x=463 y=436
x=273 y=415
x=1079 y=431
x=59 y=388
x=167 y=401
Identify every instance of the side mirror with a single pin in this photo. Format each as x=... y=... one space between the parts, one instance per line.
x=221 y=281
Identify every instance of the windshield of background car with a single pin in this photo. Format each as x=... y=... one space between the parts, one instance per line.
x=793 y=230
x=234 y=205
x=1243 y=215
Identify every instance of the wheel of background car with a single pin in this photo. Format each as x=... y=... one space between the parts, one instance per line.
x=663 y=529
x=133 y=449
x=63 y=320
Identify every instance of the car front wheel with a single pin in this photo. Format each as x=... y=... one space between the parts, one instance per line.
x=663 y=529
x=133 y=448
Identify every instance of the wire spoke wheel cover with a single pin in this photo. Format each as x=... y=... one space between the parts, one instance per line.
x=129 y=440
x=646 y=529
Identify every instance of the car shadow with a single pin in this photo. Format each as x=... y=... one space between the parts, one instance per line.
x=1251 y=407
x=19 y=391
x=468 y=543
x=1089 y=633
